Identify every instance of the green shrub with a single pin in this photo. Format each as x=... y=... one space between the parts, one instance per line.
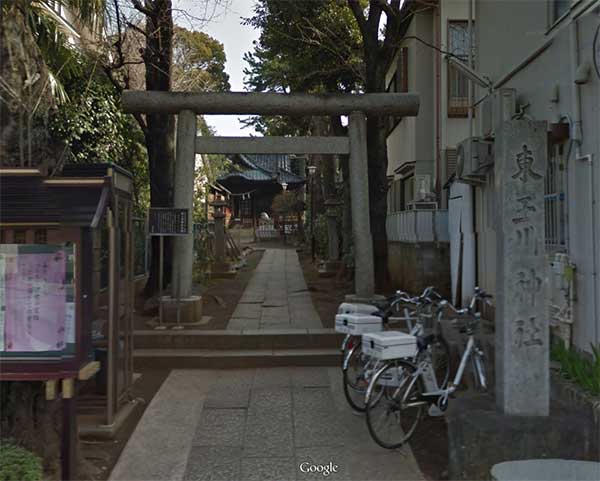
x=18 y=464
x=578 y=368
x=202 y=256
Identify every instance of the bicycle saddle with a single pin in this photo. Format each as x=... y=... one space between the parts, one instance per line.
x=383 y=313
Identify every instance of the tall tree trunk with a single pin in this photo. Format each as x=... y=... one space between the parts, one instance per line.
x=338 y=129
x=378 y=165
x=327 y=165
x=160 y=132
x=32 y=422
x=321 y=186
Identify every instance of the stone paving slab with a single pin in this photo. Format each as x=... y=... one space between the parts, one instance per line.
x=276 y=296
x=243 y=324
x=323 y=456
x=272 y=401
x=272 y=377
x=221 y=427
x=194 y=431
x=247 y=311
x=209 y=463
x=170 y=420
x=269 y=436
x=268 y=469
x=303 y=377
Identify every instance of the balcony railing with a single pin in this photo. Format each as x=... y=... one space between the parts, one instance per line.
x=418 y=226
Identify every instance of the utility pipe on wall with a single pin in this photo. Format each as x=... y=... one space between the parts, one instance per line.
x=577 y=138
x=438 y=104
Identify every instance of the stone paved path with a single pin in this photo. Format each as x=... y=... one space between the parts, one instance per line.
x=256 y=424
x=276 y=296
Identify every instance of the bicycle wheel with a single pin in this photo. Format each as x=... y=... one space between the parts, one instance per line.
x=478 y=366
x=440 y=360
x=394 y=404
x=355 y=380
x=346 y=347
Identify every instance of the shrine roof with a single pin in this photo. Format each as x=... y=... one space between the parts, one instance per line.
x=264 y=168
x=70 y=199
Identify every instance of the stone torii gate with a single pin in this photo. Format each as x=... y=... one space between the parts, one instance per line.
x=356 y=106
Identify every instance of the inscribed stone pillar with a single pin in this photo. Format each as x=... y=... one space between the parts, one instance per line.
x=364 y=276
x=183 y=198
x=333 y=252
x=220 y=238
x=219 y=216
x=522 y=330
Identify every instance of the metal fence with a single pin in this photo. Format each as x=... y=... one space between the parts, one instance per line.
x=418 y=226
x=554 y=200
x=140 y=246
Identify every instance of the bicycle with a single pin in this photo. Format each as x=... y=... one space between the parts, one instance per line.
x=358 y=367
x=400 y=390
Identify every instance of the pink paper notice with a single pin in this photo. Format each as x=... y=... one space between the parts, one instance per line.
x=35 y=302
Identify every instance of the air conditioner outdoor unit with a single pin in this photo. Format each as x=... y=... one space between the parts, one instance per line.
x=474 y=157
x=495 y=109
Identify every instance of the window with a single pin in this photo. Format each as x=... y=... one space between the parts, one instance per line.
x=402 y=71
x=458 y=84
x=554 y=200
x=20 y=237
x=40 y=236
x=451 y=159
x=395 y=196
x=408 y=191
x=400 y=193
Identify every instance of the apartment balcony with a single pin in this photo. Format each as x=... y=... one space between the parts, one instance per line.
x=415 y=226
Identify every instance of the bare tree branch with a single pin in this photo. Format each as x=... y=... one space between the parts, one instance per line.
x=133 y=26
x=375 y=12
x=359 y=16
x=391 y=9
x=142 y=9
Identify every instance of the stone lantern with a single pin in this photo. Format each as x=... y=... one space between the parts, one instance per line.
x=220 y=267
x=330 y=266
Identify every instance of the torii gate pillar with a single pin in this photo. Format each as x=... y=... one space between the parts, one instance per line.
x=183 y=198
x=364 y=272
x=188 y=105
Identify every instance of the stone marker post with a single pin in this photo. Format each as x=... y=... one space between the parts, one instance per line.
x=183 y=198
x=522 y=331
x=219 y=216
x=364 y=271
x=333 y=251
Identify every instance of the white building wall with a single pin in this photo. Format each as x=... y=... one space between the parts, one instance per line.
x=414 y=139
x=507 y=32
x=401 y=144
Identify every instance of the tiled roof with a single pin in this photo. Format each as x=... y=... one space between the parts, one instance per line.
x=28 y=199
x=264 y=168
x=288 y=177
x=249 y=174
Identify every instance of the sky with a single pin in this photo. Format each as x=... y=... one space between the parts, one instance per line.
x=237 y=39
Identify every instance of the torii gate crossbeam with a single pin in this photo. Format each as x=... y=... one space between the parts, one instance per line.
x=356 y=106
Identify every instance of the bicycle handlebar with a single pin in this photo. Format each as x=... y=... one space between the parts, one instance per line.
x=479 y=294
x=428 y=296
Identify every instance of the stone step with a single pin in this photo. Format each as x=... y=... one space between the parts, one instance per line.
x=245 y=339
x=227 y=359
